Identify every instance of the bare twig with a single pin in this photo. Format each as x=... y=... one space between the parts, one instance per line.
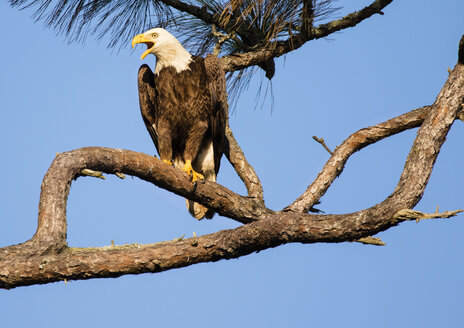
x=371 y=241
x=92 y=173
x=120 y=175
x=221 y=38
x=408 y=214
x=322 y=142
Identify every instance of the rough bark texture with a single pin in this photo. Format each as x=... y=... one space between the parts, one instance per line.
x=47 y=258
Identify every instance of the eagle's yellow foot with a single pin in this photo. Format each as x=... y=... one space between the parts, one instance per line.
x=189 y=170
x=167 y=162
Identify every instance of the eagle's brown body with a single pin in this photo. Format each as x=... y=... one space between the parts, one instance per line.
x=185 y=113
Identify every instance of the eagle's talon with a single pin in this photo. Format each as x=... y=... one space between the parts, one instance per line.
x=190 y=171
x=167 y=162
x=197 y=177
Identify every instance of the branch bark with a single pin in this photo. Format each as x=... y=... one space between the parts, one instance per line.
x=275 y=49
x=46 y=257
x=357 y=141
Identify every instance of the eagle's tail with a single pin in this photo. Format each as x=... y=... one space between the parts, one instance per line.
x=199 y=211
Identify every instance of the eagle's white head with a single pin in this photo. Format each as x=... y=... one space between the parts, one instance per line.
x=166 y=48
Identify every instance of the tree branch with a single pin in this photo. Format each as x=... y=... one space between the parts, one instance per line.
x=322 y=142
x=211 y=19
x=357 y=141
x=51 y=231
x=368 y=136
x=408 y=215
x=113 y=261
x=46 y=257
x=430 y=138
x=245 y=171
x=237 y=61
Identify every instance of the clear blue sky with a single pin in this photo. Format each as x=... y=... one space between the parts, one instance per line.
x=57 y=97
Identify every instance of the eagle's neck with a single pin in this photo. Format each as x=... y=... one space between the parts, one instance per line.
x=173 y=56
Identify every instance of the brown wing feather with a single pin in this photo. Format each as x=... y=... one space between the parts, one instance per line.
x=217 y=84
x=147 y=100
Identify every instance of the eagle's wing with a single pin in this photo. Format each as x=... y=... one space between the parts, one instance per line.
x=220 y=108
x=147 y=100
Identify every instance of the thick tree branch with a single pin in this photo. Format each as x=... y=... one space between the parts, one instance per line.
x=272 y=231
x=51 y=231
x=46 y=257
x=275 y=49
x=430 y=137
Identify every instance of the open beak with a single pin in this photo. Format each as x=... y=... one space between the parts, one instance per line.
x=141 y=38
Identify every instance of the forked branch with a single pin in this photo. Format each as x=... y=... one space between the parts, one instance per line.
x=46 y=257
x=357 y=141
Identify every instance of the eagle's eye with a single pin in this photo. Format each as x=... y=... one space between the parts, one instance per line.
x=155 y=35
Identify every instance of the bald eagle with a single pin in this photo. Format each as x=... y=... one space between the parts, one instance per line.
x=184 y=107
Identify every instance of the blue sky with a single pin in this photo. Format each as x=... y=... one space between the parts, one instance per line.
x=57 y=97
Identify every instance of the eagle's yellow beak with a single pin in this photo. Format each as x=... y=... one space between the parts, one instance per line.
x=141 y=38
